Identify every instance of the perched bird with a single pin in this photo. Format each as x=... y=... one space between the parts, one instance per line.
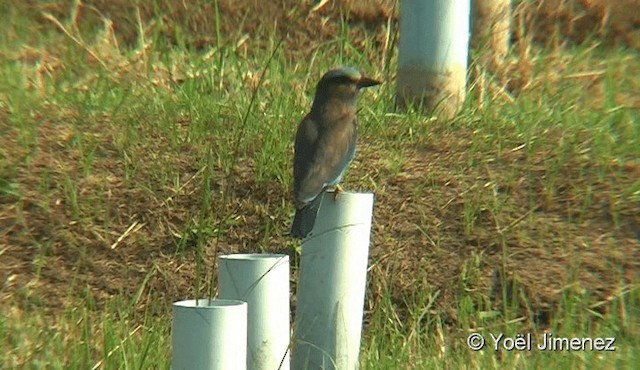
x=325 y=143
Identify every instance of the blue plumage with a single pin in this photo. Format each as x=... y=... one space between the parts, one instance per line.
x=325 y=143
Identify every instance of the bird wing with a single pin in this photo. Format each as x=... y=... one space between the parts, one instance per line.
x=322 y=154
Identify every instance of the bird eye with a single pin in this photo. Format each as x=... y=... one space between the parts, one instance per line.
x=344 y=80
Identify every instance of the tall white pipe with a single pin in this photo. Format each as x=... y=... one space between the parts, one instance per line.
x=261 y=280
x=209 y=335
x=331 y=284
x=491 y=31
x=432 y=55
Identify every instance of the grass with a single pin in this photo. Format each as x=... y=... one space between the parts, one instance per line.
x=125 y=169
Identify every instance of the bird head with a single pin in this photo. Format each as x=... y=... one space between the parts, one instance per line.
x=342 y=84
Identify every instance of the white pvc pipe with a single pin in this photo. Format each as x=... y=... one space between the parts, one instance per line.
x=432 y=55
x=331 y=284
x=261 y=280
x=209 y=335
x=491 y=30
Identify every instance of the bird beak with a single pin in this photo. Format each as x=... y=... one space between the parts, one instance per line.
x=366 y=82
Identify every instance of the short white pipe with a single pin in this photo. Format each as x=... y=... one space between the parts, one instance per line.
x=331 y=284
x=261 y=280
x=209 y=335
x=432 y=55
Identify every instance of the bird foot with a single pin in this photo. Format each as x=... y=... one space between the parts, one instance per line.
x=337 y=190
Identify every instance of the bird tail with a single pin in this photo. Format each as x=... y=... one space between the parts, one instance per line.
x=305 y=218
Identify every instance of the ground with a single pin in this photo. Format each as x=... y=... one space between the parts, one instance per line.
x=551 y=247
